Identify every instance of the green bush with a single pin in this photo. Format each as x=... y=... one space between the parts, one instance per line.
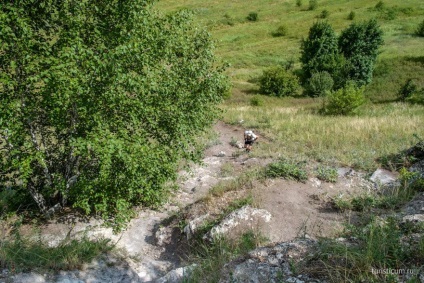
x=75 y=137
x=420 y=29
x=299 y=3
x=417 y=97
x=344 y=101
x=256 y=101
x=351 y=16
x=286 y=169
x=253 y=16
x=407 y=90
x=313 y=4
x=319 y=84
x=277 y=81
x=280 y=31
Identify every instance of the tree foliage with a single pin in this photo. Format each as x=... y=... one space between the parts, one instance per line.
x=99 y=100
x=319 y=84
x=359 y=44
x=351 y=57
x=319 y=52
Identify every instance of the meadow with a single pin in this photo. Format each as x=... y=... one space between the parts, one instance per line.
x=292 y=125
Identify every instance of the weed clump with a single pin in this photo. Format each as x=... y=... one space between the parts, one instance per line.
x=351 y=16
x=327 y=174
x=286 y=169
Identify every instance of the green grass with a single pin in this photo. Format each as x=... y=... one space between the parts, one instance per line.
x=211 y=257
x=25 y=254
x=287 y=169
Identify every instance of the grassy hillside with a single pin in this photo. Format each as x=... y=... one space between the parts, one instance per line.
x=381 y=128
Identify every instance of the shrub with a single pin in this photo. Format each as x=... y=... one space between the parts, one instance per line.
x=344 y=101
x=417 y=97
x=256 y=101
x=299 y=3
x=75 y=137
x=278 y=82
x=351 y=16
x=319 y=84
x=420 y=29
x=280 y=31
x=319 y=52
x=313 y=4
x=253 y=17
x=407 y=90
x=324 y=14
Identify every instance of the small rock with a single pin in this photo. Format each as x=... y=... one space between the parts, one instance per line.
x=415 y=218
x=245 y=214
x=222 y=154
x=192 y=225
x=383 y=177
x=177 y=275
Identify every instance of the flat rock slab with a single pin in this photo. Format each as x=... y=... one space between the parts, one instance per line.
x=246 y=215
x=383 y=177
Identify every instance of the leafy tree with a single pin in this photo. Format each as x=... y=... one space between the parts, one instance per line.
x=359 y=44
x=99 y=100
x=319 y=52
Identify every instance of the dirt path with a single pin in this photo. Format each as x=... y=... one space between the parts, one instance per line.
x=296 y=209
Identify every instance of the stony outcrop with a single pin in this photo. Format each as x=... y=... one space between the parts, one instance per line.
x=270 y=264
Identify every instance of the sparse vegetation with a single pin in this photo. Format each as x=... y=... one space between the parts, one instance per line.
x=24 y=254
x=327 y=174
x=211 y=257
x=287 y=169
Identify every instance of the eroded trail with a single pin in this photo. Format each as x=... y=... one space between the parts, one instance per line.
x=149 y=250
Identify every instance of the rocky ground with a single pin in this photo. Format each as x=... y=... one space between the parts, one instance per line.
x=151 y=249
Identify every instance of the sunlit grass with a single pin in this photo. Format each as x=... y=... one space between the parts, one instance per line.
x=358 y=141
